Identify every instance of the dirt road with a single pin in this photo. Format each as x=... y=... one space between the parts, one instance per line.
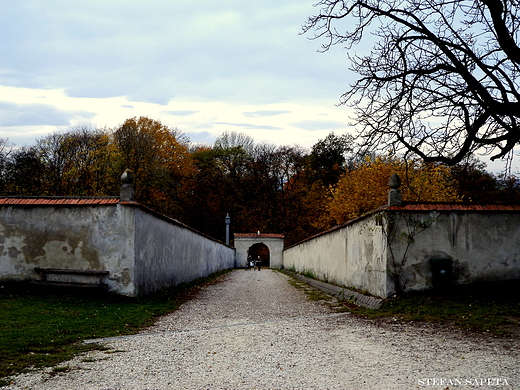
x=253 y=330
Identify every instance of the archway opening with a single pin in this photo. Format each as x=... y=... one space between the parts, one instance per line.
x=260 y=250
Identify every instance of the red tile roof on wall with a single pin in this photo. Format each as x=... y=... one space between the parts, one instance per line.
x=90 y=201
x=58 y=201
x=427 y=207
x=256 y=235
x=453 y=207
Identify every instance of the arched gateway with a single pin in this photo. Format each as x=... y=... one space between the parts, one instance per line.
x=266 y=245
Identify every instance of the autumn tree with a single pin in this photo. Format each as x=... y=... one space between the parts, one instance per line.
x=473 y=182
x=6 y=148
x=235 y=176
x=157 y=157
x=207 y=193
x=233 y=150
x=89 y=169
x=247 y=180
x=441 y=80
x=52 y=153
x=286 y=162
x=270 y=168
x=306 y=207
x=365 y=187
x=259 y=192
x=77 y=162
x=307 y=190
x=25 y=173
x=330 y=157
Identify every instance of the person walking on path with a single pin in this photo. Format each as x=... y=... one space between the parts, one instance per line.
x=258 y=263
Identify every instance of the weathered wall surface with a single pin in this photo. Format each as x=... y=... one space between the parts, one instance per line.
x=482 y=246
x=143 y=251
x=84 y=238
x=366 y=256
x=352 y=256
x=323 y=255
x=168 y=253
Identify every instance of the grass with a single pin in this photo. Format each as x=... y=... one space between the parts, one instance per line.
x=309 y=274
x=41 y=326
x=490 y=307
x=314 y=294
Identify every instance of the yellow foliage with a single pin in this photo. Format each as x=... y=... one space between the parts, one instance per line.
x=146 y=144
x=155 y=155
x=365 y=187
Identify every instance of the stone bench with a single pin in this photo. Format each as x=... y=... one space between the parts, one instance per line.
x=73 y=277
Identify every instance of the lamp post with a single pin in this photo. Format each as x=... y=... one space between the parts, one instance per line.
x=228 y=220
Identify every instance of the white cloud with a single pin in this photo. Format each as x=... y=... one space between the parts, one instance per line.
x=179 y=113
x=199 y=65
x=249 y=126
x=14 y=115
x=313 y=125
x=154 y=51
x=203 y=120
x=256 y=114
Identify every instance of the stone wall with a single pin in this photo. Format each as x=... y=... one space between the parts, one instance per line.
x=481 y=246
x=353 y=255
x=168 y=252
x=482 y=243
x=142 y=250
x=68 y=237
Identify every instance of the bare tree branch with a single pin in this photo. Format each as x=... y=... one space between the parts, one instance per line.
x=442 y=78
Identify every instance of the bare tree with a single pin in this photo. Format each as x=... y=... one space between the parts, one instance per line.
x=6 y=149
x=234 y=150
x=442 y=79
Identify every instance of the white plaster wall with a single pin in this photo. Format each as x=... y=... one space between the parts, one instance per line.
x=142 y=251
x=366 y=256
x=86 y=237
x=324 y=256
x=352 y=256
x=168 y=253
x=275 y=245
x=483 y=247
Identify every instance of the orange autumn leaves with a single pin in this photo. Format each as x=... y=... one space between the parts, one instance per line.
x=365 y=187
x=153 y=152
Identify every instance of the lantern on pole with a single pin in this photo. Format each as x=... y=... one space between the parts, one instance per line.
x=228 y=220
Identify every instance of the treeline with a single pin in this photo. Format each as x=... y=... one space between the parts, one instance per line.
x=263 y=187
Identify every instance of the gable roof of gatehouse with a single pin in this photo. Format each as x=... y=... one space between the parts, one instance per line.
x=256 y=235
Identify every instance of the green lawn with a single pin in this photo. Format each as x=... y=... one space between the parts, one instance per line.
x=486 y=307
x=42 y=326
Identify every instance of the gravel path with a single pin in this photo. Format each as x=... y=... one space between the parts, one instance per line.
x=253 y=330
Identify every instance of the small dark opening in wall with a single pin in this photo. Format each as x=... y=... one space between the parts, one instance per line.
x=442 y=273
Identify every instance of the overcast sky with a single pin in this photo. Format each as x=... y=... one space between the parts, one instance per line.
x=202 y=66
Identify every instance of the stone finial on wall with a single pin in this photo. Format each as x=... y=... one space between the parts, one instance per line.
x=394 y=195
x=127 y=189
